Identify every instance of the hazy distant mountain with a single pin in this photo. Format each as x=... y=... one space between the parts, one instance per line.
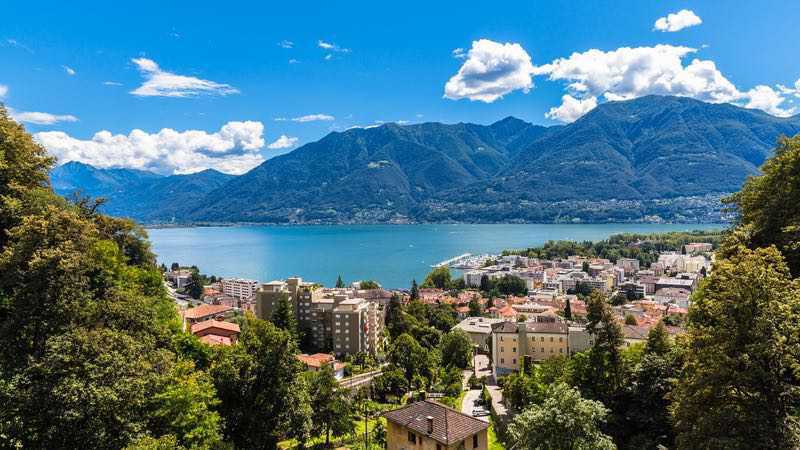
x=668 y=156
x=132 y=193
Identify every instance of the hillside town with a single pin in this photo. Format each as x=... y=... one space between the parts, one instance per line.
x=515 y=311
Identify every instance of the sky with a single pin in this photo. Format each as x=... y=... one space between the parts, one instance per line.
x=178 y=87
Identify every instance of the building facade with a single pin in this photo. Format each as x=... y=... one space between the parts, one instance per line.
x=239 y=287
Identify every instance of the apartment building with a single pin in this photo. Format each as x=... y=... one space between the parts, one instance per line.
x=513 y=342
x=239 y=287
x=357 y=325
x=629 y=265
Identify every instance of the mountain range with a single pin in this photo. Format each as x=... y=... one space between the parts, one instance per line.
x=652 y=158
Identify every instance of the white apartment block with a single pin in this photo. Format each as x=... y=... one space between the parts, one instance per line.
x=239 y=287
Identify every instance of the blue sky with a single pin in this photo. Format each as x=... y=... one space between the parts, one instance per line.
x=229 y=78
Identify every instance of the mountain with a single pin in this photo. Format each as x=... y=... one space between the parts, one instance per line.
x=137 y=194
x=652 y=157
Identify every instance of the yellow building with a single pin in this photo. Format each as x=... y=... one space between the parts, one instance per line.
x=512 y=342
x=428 y=425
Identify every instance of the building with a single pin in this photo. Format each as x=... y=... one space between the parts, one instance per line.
x=479 y=330
x=536 y=341
x=680 y=283
x=677 y=296
x=317 y=361
x=629 y=265
x=698 y=247
x=427 y=425
x=239 y=287
x=357 y=326
x=216 y=332
x=204 y=312
x=179 y=278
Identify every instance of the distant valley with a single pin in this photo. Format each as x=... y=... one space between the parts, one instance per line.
x=654 y=158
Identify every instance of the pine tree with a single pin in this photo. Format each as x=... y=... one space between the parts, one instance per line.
x=339 y=282
x=414 y=290
x=283 y=315
x=568 y=310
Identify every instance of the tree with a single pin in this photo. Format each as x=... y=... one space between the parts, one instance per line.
x=740 y=386
x=332 y=409
x=408 y=355
x=369 y=284
x=486 y=283
x=195 y=288
x=443 y=318
x=175 y=267
x=390 y=382
x=395 y=320
x=414 y=293
x=474 y=307
x=439 y=277
x=585 y=266
x=456 y=349
x=339 y=282
x=263 y=397
x=511 y=285
x=658 y=342
x=606 y=363
x=768 y=206
x=563 y=421
x=567 y=310
x=283 y=315
x=630 y=319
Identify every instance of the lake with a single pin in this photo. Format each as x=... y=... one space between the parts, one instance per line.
x=389 y=254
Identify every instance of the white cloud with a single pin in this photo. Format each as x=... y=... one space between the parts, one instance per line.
x=17 y=44
x=112 y=83
x=286 y=44
x=328 y=57
x=571 y=108
x=795 y=90
x=235 y=148
x=627 y=73
x=313 y=118
x=40 y=118
x=677 y=21
x=491 y=71
x=294 y=61
x=767 y=99
x=332 y=47
x=283 y=142
x=458 y=53
x=3 y=91
x=70 y=71
x=159 y=83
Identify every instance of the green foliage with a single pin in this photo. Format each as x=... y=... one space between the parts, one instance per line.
x=768 y=207
x=283 y=315
x=567 y=310
x=740 y=386
x=330 y=405
x=369 y=284
x=439 y=277
x=474 y=307
x=443 y=318
x=511 y=285
x=630 y=319
x=262 y=396
x=456 y=348
x=658 y=341
x=339 y=282
x=390 y=383
x=604 y=373
x=414 y=293
x=563 y=421
x=407 y=354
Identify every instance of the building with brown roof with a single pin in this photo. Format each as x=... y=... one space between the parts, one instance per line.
x=428 y=425
x=317 y=361
x=204 y=312
x=513 y=342
x=216 y=331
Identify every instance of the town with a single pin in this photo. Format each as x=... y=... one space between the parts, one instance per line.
x=510 y=311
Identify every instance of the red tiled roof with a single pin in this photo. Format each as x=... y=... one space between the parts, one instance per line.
x=316 y=360
x=205 y=310
x=449 y=426
x=211 y=323
x=213 y=339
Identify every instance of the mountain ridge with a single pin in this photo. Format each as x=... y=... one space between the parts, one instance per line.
x=616 y=163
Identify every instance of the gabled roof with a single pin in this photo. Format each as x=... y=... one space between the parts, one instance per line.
x=211 y=323
x=213 y=339
x=316 y=360
x=449 y=426
x=205 y=310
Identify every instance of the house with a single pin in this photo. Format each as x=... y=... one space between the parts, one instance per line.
x=479 y=330
x=428 y=425
x=216 y=332
x=204 y=312
x=317 y=361
x=513 y=342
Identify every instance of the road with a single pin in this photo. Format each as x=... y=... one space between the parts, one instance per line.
x=481 y=363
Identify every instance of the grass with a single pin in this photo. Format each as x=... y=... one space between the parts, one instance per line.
x=494 y=442
x=354 y=440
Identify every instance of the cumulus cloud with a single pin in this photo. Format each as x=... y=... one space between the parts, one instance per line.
x=70 y=71
x=571 y=108
x=283 y=142
x=491 y=70
x=794 y=90
x=312 y=118
x=330 y=46
x=628 y=73
x=160 y=83
x=234 y=148
x=677 y=21
x=459 y=53
x=40 y=118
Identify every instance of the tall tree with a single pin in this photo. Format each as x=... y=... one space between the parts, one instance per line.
x=339 y=282
x=605 y=356
x=456 y=349
x=438 y=278
x=658 y=341
x=567 y=310
x=408 y=355
x=283 y=315
x=563 y=421
x=332 y=409
x=414 y=290
x=768 y=206
x=263 y=397
x=741 y=385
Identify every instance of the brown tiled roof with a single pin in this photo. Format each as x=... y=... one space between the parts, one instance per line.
x=547 y=327
x=316 y=360
x=205 y=310
x=211 y=323
x=449 y=426
x=213 y=339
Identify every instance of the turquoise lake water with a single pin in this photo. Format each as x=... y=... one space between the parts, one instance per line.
x=389 y=254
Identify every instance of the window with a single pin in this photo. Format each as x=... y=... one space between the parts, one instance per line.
x=513 y=349
x=501 y=338
x=542 y=338
x=561 y=350
x=551 y=338
x=561 y=339
x=474 y=441
x=412 y=438
x=438 y=446
x=542 y=349
x=514 y=361
x=502 y=360
x=502 y=350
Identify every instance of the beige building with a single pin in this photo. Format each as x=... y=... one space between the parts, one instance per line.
x=357 y=325
x=513 y=342
x=428 y=425
x=479 y=330
x=239 y=287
